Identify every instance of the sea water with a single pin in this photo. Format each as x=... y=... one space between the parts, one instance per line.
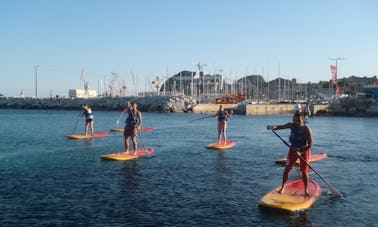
x=47 y=179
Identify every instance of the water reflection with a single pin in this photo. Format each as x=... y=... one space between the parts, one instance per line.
x=300 y=218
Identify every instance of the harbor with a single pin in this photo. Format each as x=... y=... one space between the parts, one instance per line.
x=186 y=104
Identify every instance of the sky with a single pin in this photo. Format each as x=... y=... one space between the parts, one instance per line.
x=140 y=40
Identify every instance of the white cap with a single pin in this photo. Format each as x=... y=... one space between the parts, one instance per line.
x=297 y=107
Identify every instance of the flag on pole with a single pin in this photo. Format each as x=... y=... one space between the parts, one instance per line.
x=334 y=79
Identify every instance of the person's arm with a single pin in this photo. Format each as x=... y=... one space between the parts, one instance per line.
x=127 y=109
x=279 y=127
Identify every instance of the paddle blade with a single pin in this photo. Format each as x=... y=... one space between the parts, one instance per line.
x=333 y=193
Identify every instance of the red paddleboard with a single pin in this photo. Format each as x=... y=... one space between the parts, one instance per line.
x=88 y=136
x=122 y=156
x=122 y=129
x=222 y=145
x=293 y=197
x=313 y=158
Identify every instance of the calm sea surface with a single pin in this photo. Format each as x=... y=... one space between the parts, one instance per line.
x=47 y=179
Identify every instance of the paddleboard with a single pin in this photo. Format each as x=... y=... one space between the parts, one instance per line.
x=122 y=156
x=293 y=197
x=88 y=136
x=313 y=158
x=122 y=129
x=216 y=145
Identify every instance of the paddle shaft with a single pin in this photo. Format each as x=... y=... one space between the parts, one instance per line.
x=120 y=117
x=321 y=177
x=208 y=117
x=201 y=118
x=77 y=121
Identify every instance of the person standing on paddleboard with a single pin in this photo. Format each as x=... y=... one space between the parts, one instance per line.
x=88 y=118
x=301 y=143
x=222 y=124
x=133 y=123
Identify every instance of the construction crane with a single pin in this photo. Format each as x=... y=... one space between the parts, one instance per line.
x=158 y=81
x=117 y=86
x=86 y=83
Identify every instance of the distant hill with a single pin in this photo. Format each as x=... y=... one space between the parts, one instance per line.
x=255 y=86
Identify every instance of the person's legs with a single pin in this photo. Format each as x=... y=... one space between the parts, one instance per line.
x=127 y=144
x=224 y=132
x=135 y=144
x=91 y=125
x=291 y=159
x=304 y=169
x=86 y=128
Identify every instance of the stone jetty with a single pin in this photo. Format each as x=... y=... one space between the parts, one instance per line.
x=181 y=104
x=177 y=103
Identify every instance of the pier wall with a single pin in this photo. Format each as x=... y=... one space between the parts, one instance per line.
x=255 y=109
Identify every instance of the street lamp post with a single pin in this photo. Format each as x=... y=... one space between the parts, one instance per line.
x=36 y=79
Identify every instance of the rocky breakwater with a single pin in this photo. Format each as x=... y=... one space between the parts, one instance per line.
x=353 y=107
x=176 y=103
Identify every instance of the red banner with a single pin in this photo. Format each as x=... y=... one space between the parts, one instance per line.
x=334 y=78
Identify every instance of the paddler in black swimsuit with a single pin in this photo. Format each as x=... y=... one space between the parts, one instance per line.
x=222 y=124
x=133 y=123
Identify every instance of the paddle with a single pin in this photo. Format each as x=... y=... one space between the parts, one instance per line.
x=191 y=121
x=120 y=117
x=333 y=192
x=77 y=121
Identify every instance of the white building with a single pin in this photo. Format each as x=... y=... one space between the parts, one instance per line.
x=80 y=93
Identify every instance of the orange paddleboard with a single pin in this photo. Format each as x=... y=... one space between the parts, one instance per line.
x=293 y=197
x=122 y=156
x=216 y=145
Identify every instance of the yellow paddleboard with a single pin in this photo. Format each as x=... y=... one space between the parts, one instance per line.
x=293 y=197
x=88 y=136
x=216 y=145
x=122 y=156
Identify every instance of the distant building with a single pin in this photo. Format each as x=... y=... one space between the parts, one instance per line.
x=80 y=93
x=371 y=90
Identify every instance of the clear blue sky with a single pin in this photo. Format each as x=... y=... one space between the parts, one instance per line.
x=293 y=38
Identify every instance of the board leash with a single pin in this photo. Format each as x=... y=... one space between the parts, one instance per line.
x=77 y=121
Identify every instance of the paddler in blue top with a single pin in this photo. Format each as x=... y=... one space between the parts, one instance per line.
x=301 y=143
x=133 y=123
x=222 y=124
x=88 y=119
